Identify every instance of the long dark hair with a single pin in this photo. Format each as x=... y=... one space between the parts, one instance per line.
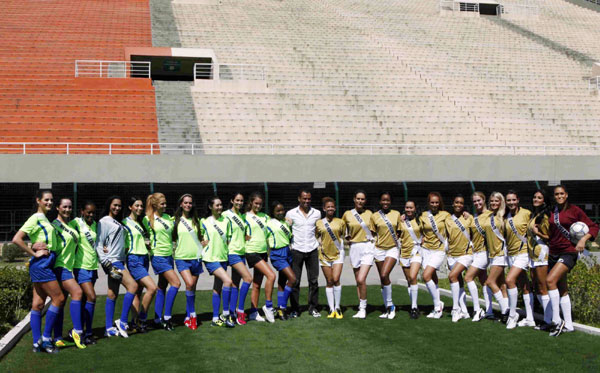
x=193 y=215
x=542 y=210
x=39 y=194
x=417 y=209
x=233 y=195
x=209 y=203
x=566 y=191
x=107 y=204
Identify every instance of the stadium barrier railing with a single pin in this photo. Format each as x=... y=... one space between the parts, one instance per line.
x=112 y=69
x=226 y=71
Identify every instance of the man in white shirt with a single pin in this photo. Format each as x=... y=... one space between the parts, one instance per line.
x=304 y=251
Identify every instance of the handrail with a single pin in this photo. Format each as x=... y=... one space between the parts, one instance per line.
x=112 y=69
x=229 y=71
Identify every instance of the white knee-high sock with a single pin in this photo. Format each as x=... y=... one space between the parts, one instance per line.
x=462 y=300
x=565 y=306
x=555 y=302
x=455 y=287
x=474 y=294
x=337 y=294
x=504 y=304
x=500 y=301
x=362 y=304
x=330 y=299
x=487 y=297
x=414 y=294
x=547 y=306
x=528 y=300
x=513 y=296
x=435 y=295
x=387 y=295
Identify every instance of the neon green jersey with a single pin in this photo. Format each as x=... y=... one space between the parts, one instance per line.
x=161 y=239
x=279 y=233
x=257 y=230
x=134 y=239
x=218 y=233
x=85 y=255
x=188 y=243
x=69 y=238
x=237 y=245
x=39 y=229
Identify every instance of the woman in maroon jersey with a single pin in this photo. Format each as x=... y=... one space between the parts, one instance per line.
x=563 y=256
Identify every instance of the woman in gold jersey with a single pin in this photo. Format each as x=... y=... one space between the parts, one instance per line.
x=410 y=253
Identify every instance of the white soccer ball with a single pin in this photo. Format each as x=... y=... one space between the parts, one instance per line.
x=577 y=231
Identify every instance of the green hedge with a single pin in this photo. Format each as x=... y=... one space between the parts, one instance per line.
x=11 y=252
x=584 y=291
x=16 y=293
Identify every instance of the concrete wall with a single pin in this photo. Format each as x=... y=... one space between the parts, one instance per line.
x=293 y=168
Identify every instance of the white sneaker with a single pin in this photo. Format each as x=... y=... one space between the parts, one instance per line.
x=384 y=315
x=512 y=322
x=361 y=314
x=255 y=316
x=111 y=332
x=268 y=314
x=456 y=315
x=526 y=322
x=465 y=315
x=122 y=328
x=391 y=312
x=478 y=315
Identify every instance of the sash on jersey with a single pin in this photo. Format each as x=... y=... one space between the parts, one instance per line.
x=85 y=230
x=57 y=223
x=194 y=235
x=285 y=230
x=511 y=223
x=416 y=250
x=478 y=226
x=390 y=228
x=462 y=228
x=435 y=229
x=237 y=220
x=497 y=233
x=336 y=242
x=559 y=226
x=219 y=230
x=137 y=226
x=257 y=221
x=363 y=225
x=162 y=222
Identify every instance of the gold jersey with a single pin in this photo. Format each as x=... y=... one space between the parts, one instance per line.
x=477 y=236
x=385 y=240
x=354 y=230
x=458 y=243
x=430 y=239
x=514 y=245
x=494 y=244
x=406 y=239
x=533 y=241
x=328 y=251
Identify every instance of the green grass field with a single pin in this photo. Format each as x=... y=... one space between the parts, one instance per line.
x=308 y=344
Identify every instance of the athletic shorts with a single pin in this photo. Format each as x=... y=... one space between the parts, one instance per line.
x=41 y=269
x=62 y=274
x=192 y=265
x=327 y=263
x=379 y=254
x=433 y=258
x=499 y=261
x=416 y=257
x=85 y=275
x=235 y=259
x=519 y=261
x=211 y=267
x=465 y=260
x=534 y=264
x=254 y=258
x=138 y=266
x=361 y=253
x=568 y=259
x=480 y=260
x=162 y=264
x=281 y=258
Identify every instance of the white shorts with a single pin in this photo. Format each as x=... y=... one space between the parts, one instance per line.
x=406 y=262
x=480 y=260
x=533 y=264
x=519 y=261
x=361 y=253
x=498 y=261
x=465 y=260
x=340 y=260
x=380 y=254
x=433 y=258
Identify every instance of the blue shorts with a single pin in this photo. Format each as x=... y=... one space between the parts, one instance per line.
x=281 y=258
x=235 y=259
x=62 y=274
x=117 y=264
x=162 y=264
x=138 y=266
x=213 y=266
x=85 y=275
x=193 y=265
x=41 y=269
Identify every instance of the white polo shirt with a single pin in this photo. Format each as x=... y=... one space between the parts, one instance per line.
x=303 y=228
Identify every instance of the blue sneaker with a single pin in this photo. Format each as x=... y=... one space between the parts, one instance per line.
x=49 y=347
x=111 y=332
x=122 y=328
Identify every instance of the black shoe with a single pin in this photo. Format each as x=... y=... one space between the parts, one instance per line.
x=314 y=313
x=557 y=329
x=504 y=318
x=414 y=313
x=141 y=326
x=489 y=316
x=293 y=315
x=168 y=325
x=281 y=314
x=89 y=340
x=544 y=327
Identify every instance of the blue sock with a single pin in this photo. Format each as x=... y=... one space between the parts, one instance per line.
x=225 y=295
x=216 y=302
x=243 y=292
x=269 y=303
x=190 y=302
x=143 y=315
x=50 y=318
x=287 y=291
x=159 y=304
x=76 y=315
x=109 y=310
x=89 y=316
x=280 y=299
x=36 y=326
x=252 y=310
x=127 y=300
x=233 y=298
x=171 y=294
x=58 y=323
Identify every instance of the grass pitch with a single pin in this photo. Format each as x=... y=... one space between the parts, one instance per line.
x=306 y=344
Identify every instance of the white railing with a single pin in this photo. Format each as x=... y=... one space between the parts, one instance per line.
x=595 y=84
x=229 y=71
x=112 y=69
x=465 y=7
x=300 y=148
x=446 y=5
x=518 y=10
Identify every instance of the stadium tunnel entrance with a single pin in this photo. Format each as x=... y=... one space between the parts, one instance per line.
x=175 y=64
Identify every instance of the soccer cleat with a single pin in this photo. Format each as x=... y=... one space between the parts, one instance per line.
x=218 y=322
x=437 y=313
x=384 y=315
x=565 y=330
x=525 y=323
x=391 y=311
x=331 y=315
x=504 y=318
x=168 y=325
x=478 y=315
x=293 y=315
x=464 y=315
x=188 y=322
x=141 y=326
x=268 y=314
x=361 y=314
x=122 y=328
x=193 y=323
x=111 y=332
x=558 y=329
x=241 y=318
x=89 y=340
x=77 y=339
x=314 y=313
x=511 y=323
x=338 y=314
x=281 y=314
x=36 y=348
x=227 y=321
x=255 y=316
x=48 y=347
x=490 y=316
x=414 y=313
x=456 y=315
x=59 y=343
x=544 y=327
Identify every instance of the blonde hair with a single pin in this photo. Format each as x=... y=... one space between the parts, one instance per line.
x=152 y=206
x=502 y=207
x=480 y=194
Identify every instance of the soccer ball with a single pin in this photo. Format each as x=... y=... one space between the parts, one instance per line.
x=577 y=231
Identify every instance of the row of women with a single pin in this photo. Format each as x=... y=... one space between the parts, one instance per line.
x=66 y=255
